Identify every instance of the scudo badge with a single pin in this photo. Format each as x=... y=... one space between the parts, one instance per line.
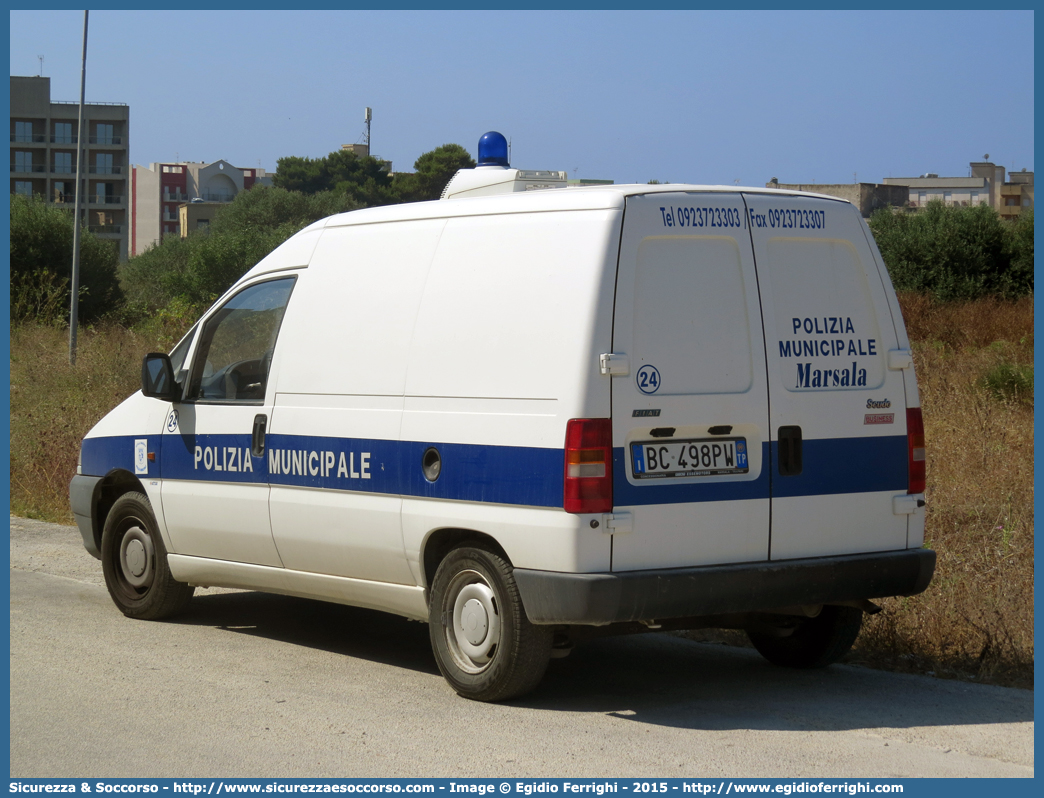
x=878 y=404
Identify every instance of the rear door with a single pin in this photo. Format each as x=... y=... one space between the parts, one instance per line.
x=838 y=423
x=690 y=416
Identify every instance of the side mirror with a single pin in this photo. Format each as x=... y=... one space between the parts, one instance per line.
x=157 y=378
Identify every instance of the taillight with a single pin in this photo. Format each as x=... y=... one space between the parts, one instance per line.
x=589 y=466
x=915 y=447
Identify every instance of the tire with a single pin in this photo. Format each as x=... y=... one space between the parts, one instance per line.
x=816 y=642
x=484 y=644
x=134 y=561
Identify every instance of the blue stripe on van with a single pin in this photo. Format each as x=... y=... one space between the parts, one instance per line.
x=221 y=458
x=846 y=465
x=498 y=474
x=99 y=456
x=518 y=475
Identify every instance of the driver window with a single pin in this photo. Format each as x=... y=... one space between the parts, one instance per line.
x=235 y=349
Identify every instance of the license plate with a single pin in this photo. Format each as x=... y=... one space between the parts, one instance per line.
x=701 y=457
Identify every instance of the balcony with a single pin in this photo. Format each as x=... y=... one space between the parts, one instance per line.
x=170 y=217
x=105 y=199
x=105 y=170
x=27 y=168
x=106 y=229
x=218 y=197
x=25 y=138
x=106 y=140
x=63 y=139
x=175 y=197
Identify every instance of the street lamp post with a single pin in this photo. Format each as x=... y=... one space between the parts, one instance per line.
x=75 y=287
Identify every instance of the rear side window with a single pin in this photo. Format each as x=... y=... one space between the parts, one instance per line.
x=690 y=312
x=235 y=350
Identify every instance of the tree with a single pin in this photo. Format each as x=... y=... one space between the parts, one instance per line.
x=41 y=264
x=953 y=252
x=365 y=179
x=1020 y=248
x=192 y=272
x=435 y=169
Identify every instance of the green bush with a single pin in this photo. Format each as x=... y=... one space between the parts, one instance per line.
x=1020 y=247
x=955 y=252
x=192 y=272
x=41 y=265
x=42 y=296
x=1010 y=382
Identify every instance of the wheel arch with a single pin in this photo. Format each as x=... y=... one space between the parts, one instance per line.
x=442 y=541
x=116 y=483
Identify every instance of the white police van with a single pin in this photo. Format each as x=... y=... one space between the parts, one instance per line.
x=526 y=416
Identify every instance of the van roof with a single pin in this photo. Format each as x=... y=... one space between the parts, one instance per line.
x=573 y=198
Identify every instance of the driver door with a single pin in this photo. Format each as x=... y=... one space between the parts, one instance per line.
x=215 y=472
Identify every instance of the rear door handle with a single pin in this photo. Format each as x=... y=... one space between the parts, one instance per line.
x=789 y=448
x=257 y=439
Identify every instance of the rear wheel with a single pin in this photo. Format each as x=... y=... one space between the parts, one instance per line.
x=134 y=561
x=815 y=642
x=484 y=644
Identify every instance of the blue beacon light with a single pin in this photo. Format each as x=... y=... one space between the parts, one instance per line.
x=492 y=150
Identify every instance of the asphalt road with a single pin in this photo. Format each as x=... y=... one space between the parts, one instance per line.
x=253 y=685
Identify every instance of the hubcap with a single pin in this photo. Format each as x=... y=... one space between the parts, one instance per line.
x=474 y=621
x=475 y=632
x=136 y=557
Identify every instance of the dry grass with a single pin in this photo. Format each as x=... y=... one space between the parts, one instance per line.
x=53 y=404
x=975 y=621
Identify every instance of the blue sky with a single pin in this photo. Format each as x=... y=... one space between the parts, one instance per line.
x=686 y=96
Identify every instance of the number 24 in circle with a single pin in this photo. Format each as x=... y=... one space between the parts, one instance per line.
x=648 y=379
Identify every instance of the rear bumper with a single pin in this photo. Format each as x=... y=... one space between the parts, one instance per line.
x=82 y=500
x=605 y=598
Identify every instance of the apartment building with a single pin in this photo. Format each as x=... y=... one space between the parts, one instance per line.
x=1016 y=194
x=160 y=189
x=45 y=142
x=985 y=184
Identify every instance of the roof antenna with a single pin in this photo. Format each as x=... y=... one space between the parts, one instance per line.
x=41 y=65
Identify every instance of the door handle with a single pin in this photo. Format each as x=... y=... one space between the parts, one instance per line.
x=257 y=439
x=789 y=449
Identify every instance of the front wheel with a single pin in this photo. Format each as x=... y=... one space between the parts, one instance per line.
x=815 y=642
x=484 y=644
x=134 y=561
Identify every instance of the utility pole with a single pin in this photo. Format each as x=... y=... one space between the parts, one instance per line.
x=74 y=302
